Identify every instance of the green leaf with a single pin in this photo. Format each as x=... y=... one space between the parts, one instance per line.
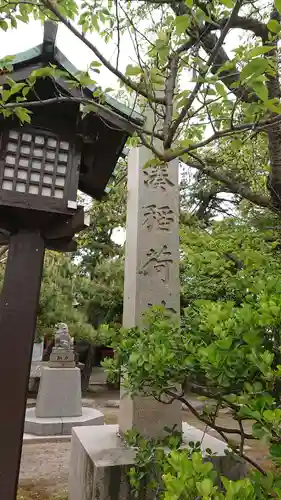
x=236 y=144
x=277 y=5
x=134 y=357
x=274 y=26
x=4 y=25
x=257 y=51
x=14 y=22
x=95 y=22
x=261 y=90
x=23 y=114
x=25 y=91
x=133 y=70
x=155 y=76
x=275 y=450
x=220 y=88
x=6 y=62
x=205 y=487
x=16 y=88
x=228 y=3
x=181 y=24
x=189 y=3
x=275 y=107
x=255 y=67
x=95 y=64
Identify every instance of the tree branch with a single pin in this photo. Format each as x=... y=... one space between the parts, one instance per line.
x=232 y=184
x=200 y=82
x=79 y=100
x=118 y=34
x=259 y=126
x=48 y=4
x=246 y=23
x=208 y=41
x=220 y=430
x=170 y=85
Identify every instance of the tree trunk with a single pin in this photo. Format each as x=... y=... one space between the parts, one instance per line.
x=87 y=370
x=274 y=132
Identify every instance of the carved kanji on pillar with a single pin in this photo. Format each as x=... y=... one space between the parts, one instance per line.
x=161 y=217
x=158 y=177
x=151 y=272
x=158 y=261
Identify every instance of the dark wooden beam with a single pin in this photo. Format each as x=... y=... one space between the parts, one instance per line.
x=69 y=227
x=21 y=73
x=4 y=239
x=18 y=308
x=62 y=245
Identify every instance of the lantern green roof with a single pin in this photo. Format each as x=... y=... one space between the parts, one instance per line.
x=49 y=52
x=110 y=125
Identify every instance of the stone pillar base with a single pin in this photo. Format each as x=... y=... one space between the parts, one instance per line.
x=147 y=416
x=60 y=426
x=100 y=461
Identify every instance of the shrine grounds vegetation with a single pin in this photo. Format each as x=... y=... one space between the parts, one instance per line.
x=217 y=65
x=227 y=350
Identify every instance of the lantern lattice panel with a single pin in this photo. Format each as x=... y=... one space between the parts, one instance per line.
x=35 y=164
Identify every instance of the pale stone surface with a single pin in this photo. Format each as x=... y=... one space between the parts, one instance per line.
x=90 y=416
x=100 y=461
x=59 y=393
x=98 y=376
x=37 y=351
x=152 y=238
x=112 y=403
x=37 y=367
x=41 y=426
x=148 y=416
x=62 y=358
x=151 y=272
x=33 y=439
x=61 y=425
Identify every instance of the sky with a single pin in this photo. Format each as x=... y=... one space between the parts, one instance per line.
x=29 y=35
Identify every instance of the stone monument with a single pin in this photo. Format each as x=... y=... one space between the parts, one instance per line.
x=59 y=404
x=100 y=458
x=151 y=273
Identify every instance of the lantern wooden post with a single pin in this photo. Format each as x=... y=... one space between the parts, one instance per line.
x=18 y=309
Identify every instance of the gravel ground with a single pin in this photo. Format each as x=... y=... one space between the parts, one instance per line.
x=44 y=467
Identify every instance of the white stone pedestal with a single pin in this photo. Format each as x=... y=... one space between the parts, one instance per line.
x=59 y=405
x=60 y=426
x=100 y=461
x=59 y=393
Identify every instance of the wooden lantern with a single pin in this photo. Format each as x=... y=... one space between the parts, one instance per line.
x=38 y=170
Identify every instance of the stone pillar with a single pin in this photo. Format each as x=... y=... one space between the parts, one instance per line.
x=100 y=458
x=151 y=272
